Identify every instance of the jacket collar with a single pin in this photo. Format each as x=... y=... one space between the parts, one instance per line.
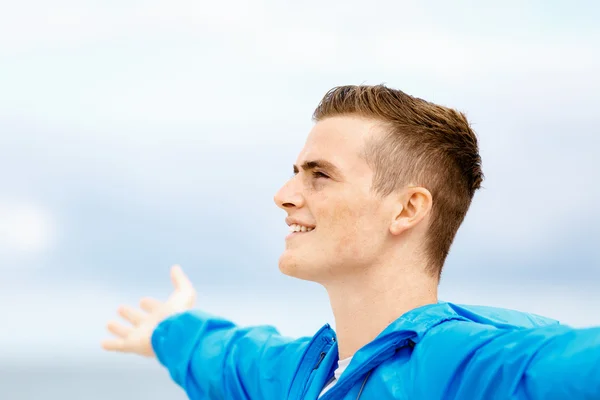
x=407 y=330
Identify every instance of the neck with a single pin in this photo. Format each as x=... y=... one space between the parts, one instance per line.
x=363 y=306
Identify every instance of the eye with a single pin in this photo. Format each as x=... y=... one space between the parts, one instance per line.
x=319 y=174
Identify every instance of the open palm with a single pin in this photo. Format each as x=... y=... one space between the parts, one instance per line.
x=136 y=337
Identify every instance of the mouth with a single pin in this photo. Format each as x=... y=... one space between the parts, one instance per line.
x=297 y=230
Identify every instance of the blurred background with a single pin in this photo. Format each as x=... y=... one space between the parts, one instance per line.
x=139 y=134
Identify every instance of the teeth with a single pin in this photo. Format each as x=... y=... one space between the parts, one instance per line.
x=299 y=228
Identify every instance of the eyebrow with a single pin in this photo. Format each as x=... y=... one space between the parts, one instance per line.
x=324 y=165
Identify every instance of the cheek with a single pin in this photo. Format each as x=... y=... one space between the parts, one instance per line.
x=352 y=228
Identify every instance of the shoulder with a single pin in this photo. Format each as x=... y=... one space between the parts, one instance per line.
x=500 y=317
x=474 y=340
x=446 y=347
x=475 y=327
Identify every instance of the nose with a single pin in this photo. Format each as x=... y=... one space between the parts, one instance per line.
x=289 y=196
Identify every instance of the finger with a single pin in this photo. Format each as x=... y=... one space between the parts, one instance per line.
x=131 y=314
x=180 y=280
x=149 y=304
x=114 y=345
x=118 y=329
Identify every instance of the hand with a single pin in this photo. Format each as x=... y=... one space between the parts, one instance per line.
x=136 y=338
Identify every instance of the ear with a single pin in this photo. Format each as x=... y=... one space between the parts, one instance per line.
x=413 y=206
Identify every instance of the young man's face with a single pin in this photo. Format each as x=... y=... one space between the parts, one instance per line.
x=342 y=225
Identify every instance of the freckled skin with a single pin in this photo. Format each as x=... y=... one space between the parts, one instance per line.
x=352 y=222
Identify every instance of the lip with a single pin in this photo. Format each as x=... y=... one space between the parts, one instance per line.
x=291 y=221
x=296 y=234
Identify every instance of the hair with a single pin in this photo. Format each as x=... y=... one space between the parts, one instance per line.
x=423 y=144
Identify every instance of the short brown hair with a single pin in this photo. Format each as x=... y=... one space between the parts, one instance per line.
x=425 y=144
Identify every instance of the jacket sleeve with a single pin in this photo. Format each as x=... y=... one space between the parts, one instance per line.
x=212 y=358
x=552 y=362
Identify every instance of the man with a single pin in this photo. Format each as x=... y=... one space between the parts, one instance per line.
x=380 y=189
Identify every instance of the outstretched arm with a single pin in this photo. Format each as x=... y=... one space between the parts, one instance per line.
x=212 y=358
x=553 y=362
x=208 y=357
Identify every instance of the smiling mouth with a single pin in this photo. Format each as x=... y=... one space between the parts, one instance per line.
x=298 y=230
x=295 y=228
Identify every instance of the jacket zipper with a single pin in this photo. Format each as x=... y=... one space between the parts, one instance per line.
x=323 y=349
x=321 y=357
x=311 y=376
x=397 y=345
x=362 y=387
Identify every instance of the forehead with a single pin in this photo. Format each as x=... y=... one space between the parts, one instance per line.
x=341 y=141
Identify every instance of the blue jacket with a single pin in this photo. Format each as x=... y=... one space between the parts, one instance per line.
x=440 y=351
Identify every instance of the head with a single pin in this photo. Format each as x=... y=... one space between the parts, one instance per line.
x=383 y=177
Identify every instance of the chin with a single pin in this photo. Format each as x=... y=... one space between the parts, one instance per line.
x=298 y=267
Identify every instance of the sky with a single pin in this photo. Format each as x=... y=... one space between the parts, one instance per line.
x=137 y=135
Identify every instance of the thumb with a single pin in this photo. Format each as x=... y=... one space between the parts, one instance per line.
x=184 y=296
x=180 y=280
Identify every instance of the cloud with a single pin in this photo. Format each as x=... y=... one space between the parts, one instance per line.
x=187 y=66
x=25 y=229
x=68 y=24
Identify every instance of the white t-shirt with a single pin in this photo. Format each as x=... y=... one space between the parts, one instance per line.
x=342 y=365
